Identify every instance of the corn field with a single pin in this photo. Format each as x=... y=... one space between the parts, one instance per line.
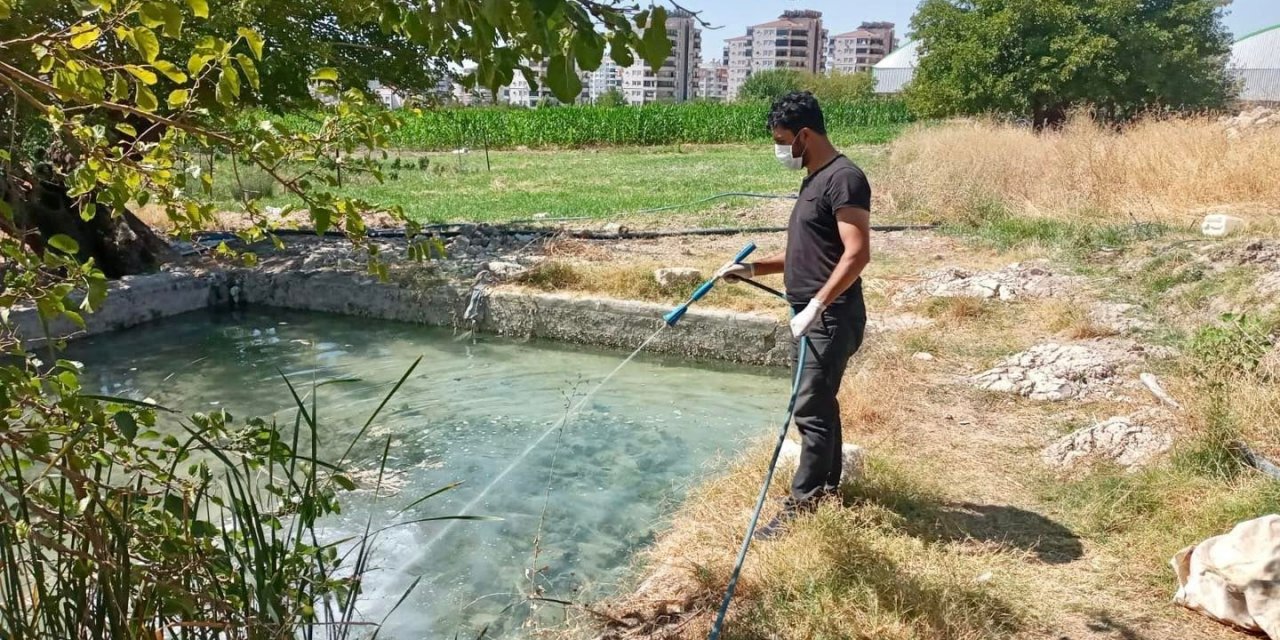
x=655 y=124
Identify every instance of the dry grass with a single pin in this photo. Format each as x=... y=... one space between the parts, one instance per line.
x=636 y=281
x=1168 y=171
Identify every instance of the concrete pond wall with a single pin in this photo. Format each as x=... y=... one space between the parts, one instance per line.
x=703 y=334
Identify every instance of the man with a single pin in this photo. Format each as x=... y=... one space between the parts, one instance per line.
x=828 y=246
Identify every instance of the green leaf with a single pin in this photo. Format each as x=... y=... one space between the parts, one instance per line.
x=145 y=99
x=325 y=74
x=495 y=11
x=127 y=129
x=85 y=35
x=127 y=425
x=144 y=76
x=199 y=7
x=228 y=90
x=65 y=244
x=146 y=42
x=253 y=39
x=344 y=482
x=153 y=14
x=250 y=69
x=170 y=70
x=588 y=50
x=655 y=46
x=92 y=83
x=119 y=87
x=620 y=51
x=196 y=63
x=172 y=20
x=88 y=211
x=563 y=79
x=5 y=10
x=178 y=97
x=322 y=217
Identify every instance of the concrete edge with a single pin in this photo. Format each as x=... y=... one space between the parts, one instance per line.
x=703 y=334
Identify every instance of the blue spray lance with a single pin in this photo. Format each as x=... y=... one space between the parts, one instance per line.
x=671 y=319
x=675 y=314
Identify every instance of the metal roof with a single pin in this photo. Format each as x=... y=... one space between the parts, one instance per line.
x=904 y=57
x=1258 y=50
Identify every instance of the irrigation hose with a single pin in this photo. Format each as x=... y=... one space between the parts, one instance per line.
x=768 y=478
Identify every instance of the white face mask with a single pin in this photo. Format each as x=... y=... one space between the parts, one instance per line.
x=783 y=153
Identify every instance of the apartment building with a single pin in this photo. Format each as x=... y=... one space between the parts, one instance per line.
x=737 y=60
x=796 y=40
x=860 y=50
x=605 y=79
x=675 y=81
x=520 y=94
x=713 y=82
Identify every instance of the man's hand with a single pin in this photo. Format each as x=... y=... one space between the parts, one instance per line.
x=804 y=320
x=734 y=271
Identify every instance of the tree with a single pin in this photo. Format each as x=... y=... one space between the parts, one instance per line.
x=612 y=98
x=109 y=526
x=833 y=87
x=836 y=87
x=1041 y=58
x=770 y=84
x=126 y=92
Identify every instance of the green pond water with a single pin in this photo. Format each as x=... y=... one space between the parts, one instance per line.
x=469 y=412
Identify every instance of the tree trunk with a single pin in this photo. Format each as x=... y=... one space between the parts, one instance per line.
x=119 y=245
x=1048 y=117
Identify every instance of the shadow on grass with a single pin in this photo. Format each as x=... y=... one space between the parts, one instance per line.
x=856 y=591
x=936 y=520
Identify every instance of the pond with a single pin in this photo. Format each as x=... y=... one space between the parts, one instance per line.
x=468 y=414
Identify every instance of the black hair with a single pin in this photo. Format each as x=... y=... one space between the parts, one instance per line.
x=795 y=111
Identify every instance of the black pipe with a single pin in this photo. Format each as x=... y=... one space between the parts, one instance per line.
x=454 y=230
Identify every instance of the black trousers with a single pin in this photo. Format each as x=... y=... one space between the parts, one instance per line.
x=833 y=340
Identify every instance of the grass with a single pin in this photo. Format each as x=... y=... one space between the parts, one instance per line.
x=595 y=183
x=637 y=282
x=1161 y=171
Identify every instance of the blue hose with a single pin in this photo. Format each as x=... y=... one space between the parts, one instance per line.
x=768 y=479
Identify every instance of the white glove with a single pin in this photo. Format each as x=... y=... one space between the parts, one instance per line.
x=736 y=271
x=804 y=320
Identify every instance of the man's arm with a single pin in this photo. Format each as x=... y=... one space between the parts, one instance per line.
x=771 y=265
x=855 y=232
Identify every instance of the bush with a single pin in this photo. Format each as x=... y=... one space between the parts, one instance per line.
x=612 y=98
x=770 y=84
x=1233 y=347
x=829 y=88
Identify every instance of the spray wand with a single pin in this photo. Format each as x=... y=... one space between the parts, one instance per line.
x=677 y=313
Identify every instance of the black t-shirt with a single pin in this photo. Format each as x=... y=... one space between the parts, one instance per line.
x=814 y=246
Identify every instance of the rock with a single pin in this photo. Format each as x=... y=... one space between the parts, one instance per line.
x=1120 y=440
x=1265 y=253
x=923 y=356
x=459 y=244
x=1117 y=316
x=1014 y=281
x=853 y=457
x=1219 y=225
x=671 y=277
x=1053 y=372
x=1232 y=578
x=505 y=269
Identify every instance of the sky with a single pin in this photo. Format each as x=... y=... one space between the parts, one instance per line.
x=838 y=16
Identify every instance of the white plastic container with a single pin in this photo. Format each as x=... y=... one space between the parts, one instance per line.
x=1218 y=225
